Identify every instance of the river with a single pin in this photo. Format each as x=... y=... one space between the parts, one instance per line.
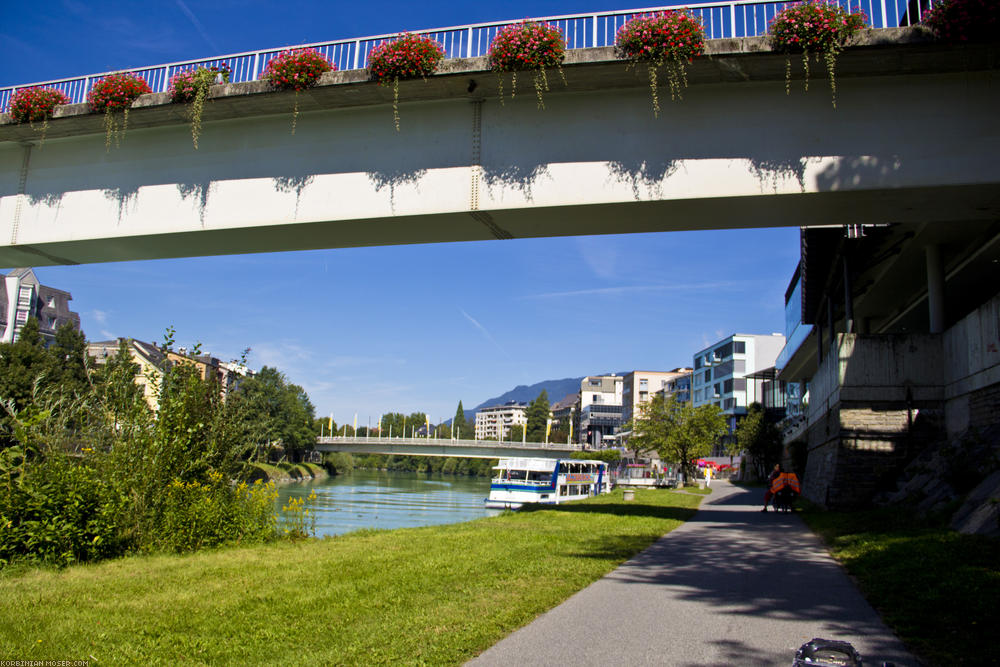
x=379 y=499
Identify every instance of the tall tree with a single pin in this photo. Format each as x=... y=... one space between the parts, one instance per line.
x=677 y=431
x=538 y=415
x=273 y=410
x=760 y=439
x=458 y=424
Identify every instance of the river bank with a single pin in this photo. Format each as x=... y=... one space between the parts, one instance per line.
x=437 y=595
x=286 y=473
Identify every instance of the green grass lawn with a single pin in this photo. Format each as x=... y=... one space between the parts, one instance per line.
x=937 y=589
x=436 y=595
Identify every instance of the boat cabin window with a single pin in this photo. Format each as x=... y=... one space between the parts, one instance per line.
x=517 y=474
x=539 y=476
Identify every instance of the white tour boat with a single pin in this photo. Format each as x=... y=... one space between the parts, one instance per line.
x=547 y=481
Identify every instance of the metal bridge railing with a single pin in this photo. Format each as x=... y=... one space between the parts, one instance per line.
x=738 y=18
x=444 y=442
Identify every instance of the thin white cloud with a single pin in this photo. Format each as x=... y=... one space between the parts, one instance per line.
x=100 y=316
x=198 y=26
x=485 y=332
x=107 y=334
x=600 y=255
x=626 y=289
x=286 y=356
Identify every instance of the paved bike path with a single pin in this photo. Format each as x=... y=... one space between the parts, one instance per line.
x=732 y=586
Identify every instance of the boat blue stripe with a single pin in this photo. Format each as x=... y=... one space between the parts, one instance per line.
x=520 y=487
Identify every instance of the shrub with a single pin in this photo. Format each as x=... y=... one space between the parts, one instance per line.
x=36 y=105
x=296 y=70
x=814 y=28
x=407 y=57
x=213 y=512
x=666 y=39
x=527 y=46
x=191 y=87
x=114 y=93
x=57 y=511
x=964 y=20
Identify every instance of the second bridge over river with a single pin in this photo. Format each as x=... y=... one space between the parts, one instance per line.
x=475 y=449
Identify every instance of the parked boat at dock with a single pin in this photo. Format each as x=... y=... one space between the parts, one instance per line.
x=520 y=481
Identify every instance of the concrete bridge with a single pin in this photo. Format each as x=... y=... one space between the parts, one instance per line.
x=472 y=449
x=913 y=139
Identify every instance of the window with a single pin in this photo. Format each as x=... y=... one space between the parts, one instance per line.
x=740 y=347
x=717 y=393
x=697 y=363
x=727 y=387
x=708 y=376
x=643 y=396
x=724 y=351
x=740 y=384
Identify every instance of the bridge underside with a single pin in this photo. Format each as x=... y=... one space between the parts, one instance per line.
x=905 y=144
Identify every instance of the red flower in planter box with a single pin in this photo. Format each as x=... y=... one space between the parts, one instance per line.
x=526 y=46
x=665 y=39
x=34 y=105
x=964 y=20
x=406 y=57
x=815 y=27
x=296 y=70
x=114 y=93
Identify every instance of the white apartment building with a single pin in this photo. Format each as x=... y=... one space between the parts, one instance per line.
x=600 y=409
x=494 y=422
x=639 y=387
x=721 y=370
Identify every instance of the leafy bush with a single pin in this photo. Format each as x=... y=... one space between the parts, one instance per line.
x=296 y=70
x=813 y=28
x=57 y=511
x=666 y=39
x=964 y=20
x=527 y=46
x=407 y=57
x=212 y=512
x=94 y=475
x=114 y=93
x=191 y=87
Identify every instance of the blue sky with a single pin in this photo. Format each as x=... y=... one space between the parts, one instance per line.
x=403 y=328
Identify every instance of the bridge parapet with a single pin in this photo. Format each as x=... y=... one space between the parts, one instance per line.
x=722 y=20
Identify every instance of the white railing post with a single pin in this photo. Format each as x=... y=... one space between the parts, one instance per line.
x=732 y=19
x=468 y=44
x=166 y=78
x=357 y=53
x=253 y=68
x=594 y=32
x=885 y=18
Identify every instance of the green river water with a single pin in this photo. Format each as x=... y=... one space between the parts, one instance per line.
x=378 y=499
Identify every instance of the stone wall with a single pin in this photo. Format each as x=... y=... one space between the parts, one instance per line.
x=878 y=400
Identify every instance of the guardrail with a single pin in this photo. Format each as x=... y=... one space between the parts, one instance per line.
x=739 y=18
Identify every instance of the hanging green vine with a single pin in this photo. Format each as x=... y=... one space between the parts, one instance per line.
x=192 y=87
x=668 y=39
x=814 y=28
